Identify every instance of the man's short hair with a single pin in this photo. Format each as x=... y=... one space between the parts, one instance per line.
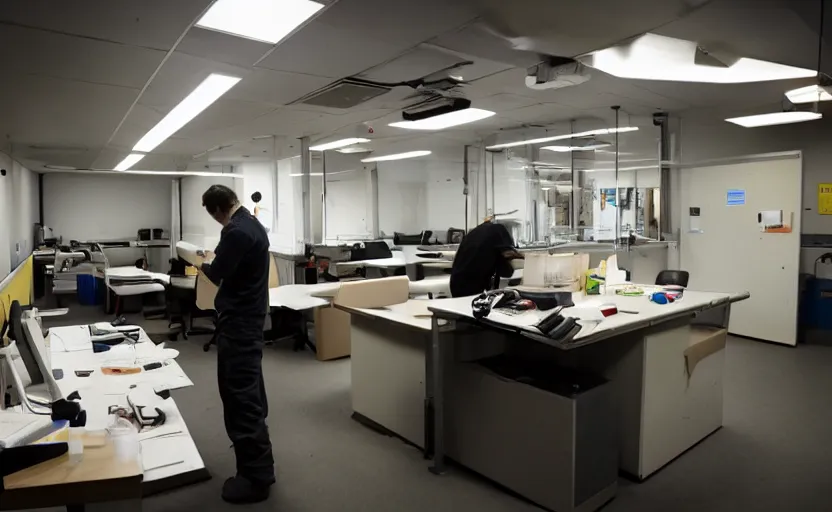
x=219 y=198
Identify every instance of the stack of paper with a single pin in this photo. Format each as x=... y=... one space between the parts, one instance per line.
x=18 y=429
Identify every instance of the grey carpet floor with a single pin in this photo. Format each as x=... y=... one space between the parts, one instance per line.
x=773 y=454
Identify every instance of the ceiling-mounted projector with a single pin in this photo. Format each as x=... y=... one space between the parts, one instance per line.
x=436 y=108
x=546 y=76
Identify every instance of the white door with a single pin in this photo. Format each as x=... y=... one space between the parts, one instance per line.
x=726 y=249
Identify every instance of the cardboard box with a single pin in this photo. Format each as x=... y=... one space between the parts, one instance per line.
x=332 y=333
x=558 y=451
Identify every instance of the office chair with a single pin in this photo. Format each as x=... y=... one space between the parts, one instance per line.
x=42 y=395
x=673 y=277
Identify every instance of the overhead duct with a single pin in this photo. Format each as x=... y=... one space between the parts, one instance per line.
x=551 y=75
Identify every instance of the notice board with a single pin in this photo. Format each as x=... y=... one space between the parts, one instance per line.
x=825 y=198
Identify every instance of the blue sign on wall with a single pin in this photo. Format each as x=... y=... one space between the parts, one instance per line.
x=736 y=197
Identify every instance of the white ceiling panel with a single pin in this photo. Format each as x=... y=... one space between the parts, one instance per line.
x=504 y=102
x=542 y=114
x=148 y=23
x=74 y=58
x=179 y=77
x=427 y=59
x=284 y=122
x=762 y=29
x=416 y=63
x=222 y=47
x=330 y=51
x=276 y=87
x=572 y=28
x=403 y=23
x=476 y=39
x=35 y=109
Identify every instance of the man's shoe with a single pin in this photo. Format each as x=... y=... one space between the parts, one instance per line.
x=239 y=491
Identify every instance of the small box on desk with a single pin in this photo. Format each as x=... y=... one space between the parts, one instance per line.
x=546 y=433
x=332 y=333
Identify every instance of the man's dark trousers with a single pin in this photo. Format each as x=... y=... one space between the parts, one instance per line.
x=245 y=407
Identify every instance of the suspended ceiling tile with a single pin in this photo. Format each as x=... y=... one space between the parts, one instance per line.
x=542 y=114
x=222 y=115
x=404 y=23
x=54 y=111
x=276 y=87
x=222 y=47
x=771 y=30
x=416 y=63
x=148 y=23
x=180 y=75
x=504 y=102
x=476 y=39
x=55 y=55
x=331 y=51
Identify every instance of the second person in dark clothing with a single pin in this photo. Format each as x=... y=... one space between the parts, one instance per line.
x=484 y=255
x=241 y=270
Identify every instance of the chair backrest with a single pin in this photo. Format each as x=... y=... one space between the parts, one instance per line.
x=675 y=277
x=274 y=277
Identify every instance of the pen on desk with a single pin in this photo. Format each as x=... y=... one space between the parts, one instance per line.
x=628 y=312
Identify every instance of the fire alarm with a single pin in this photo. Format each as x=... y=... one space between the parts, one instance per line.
x=371 y=130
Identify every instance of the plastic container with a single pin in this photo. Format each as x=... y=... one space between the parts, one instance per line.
x=125 y=439
x=87 y=289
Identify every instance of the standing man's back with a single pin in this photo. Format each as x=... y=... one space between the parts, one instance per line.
x=241 y=269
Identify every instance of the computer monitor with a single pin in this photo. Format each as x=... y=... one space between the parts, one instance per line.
x=26 y=332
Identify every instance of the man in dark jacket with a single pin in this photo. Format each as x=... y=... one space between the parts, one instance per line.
x=241 y=270
x=484 y=255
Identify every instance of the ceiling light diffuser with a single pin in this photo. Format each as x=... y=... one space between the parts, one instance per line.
x=262 y=20
x=810 y=94
x=128 y=162
x=398 y=156
x=590 y=133
x=440 y=122
x=354 y=149
x=338 y=144
x=201 y=98
x=567 y=149
x=655 y=57
x=775 y=119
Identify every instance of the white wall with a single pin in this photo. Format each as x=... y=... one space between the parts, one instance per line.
x=701 y=140
x=198 y=227
x=87 y=207
x=18 y=213
x=259 y=177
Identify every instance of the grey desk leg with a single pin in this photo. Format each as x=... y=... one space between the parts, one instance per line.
x=438 y=399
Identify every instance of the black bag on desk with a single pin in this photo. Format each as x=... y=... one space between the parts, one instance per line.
x=371 y=251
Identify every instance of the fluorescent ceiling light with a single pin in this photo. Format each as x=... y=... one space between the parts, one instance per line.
x=590 y=133
x=201 y=98
x=775 y=118
x=262 y=20
x=354 y=149
x=398 y=156
x=332 y=173
x=440 y=122
x=128 y=162
x=339 y=144
x=567 y=149
x=654 y=57
x=809 y=94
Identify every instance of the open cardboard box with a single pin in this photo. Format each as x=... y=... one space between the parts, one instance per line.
x=332 y=326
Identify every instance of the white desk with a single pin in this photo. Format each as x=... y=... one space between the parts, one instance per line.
x=133 y=281
x=301 y=297
x=400 y=359
x=170 y=457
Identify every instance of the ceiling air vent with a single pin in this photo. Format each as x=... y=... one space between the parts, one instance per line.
x=343 y=94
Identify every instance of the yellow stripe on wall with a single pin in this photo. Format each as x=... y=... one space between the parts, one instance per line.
x=18 y=287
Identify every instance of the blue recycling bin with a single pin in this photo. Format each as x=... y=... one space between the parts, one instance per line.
x=819 y=304
x=87 y=289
